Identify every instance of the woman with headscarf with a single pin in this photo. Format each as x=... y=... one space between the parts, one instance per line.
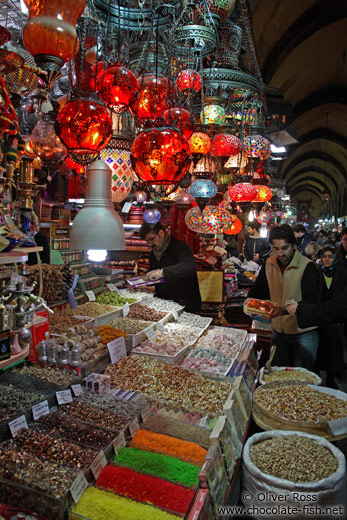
x=332 y=336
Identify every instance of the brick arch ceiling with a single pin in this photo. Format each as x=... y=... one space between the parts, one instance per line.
x=301 y=48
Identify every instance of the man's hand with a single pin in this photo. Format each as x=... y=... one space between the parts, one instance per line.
x=291 y=308
x=256 y=257
x=154 y=275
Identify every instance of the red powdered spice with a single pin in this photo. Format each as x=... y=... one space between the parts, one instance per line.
x=145 y=488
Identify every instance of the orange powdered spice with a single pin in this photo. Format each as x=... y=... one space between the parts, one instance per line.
x=170 y=445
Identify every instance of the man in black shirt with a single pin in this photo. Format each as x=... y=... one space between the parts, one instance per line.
x=173 y=260
x=342 y=251
x=255 y=247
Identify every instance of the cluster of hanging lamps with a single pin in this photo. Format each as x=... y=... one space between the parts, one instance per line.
x=264 y=193
x=151 y=98
x=235 y=227
x=212 y=114
x=243 y=192
x=116 y=155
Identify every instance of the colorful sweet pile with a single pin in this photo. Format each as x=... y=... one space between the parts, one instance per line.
x=158 y=348
x=108 y=333
x=226 y=343
x=206 y=360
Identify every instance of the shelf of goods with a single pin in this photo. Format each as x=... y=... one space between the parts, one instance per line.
x=19 y=254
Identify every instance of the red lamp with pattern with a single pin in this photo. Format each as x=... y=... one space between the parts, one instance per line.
x=225 y=145
x=116 y=86
x=243 y=192
x=200 y=143
x=180 y=118
x=152 y=97
x=188 y=80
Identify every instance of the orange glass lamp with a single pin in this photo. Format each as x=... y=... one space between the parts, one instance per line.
x=199 y=143
x=50 y=33
x=264 y=193
x=235 y=227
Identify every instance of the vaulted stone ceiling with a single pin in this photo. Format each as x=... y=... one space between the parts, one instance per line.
x=301 y=46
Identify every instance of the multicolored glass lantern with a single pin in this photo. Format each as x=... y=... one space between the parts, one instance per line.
x=264 y=193
x=188 y=79
x=203 y=188
x=151 y=216
x=185 y=198
x=116 y=86
x=160 y=155
x=28 y=152
x=235 y=227
x=84 y=126
x=117 y=156
x=221 y=7
x=199 y=143
x=45 y=142
x=152 y=97
x=212 y=115
x=181 y=119
x=225 y=145
x=256 y=146
x=211 y=220
x=236 y=161
x=175 y=195
x=243 y=192
x=161 y=192
x=50 y=33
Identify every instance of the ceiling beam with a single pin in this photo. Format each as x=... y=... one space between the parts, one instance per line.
x=324 y=133
x=312 y=169
x=313 y=180
x=318 y=16
x=336 y=94
x=318 y=155
x=316 y=192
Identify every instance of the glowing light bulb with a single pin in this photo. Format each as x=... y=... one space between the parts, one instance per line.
x=97 y=255
x=251 y=216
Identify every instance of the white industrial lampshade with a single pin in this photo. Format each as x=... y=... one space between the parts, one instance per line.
x=97 y=225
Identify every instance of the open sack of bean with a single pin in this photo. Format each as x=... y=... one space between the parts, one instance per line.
x=290 y=474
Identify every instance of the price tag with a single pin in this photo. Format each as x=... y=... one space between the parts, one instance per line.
x=112 y=287
x=91 y=296
x=134 y=426
x=120 y=442
x=18 y=424
x=78 y=487
x=150 y=333
x=117 y=349
x=145 y=413
x=175 y=315
x=98 y=464
x=77 y=390
x=64 y=396
x=40 y=409
x=160 y=326
x=126 y=310
x=126 y=207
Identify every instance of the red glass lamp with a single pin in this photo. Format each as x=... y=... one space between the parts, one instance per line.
x=160 y=155
x=45 y=142
x=84 y=126
x=264 y=193
x=180 y=118
x=235 y=227
x=151 y=99
x=116 y=86
x=50 y=33
x=72 y=165
x=225 y=145
x=188 y=79
x=243 y=192
x=199 y=143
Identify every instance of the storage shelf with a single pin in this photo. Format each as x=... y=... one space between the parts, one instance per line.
x=6 y=363
x=12 y=257
x=27 y=250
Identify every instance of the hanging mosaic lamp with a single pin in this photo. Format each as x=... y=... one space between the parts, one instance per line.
x=181 y=119
x=206 y=167
x=185 y=198
x=45 y=142
x=116 y=155
x=151 y=100
x=116 y=86
x=212 y=115
x=160 y=155
x=199 y=143
x=84 y=126
x=256 y=146
x=210 y=220
x=235 y=227
x=175 y=195
x=243 y=192
x=187 y=80
x=161 y=192
x=151 y=216
x=50 y=33
x=221 y=7
x=264 y=193
x=236 y=161
x=203 y=188
x=225 y=145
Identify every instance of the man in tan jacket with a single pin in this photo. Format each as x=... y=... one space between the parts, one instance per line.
x=289 y=276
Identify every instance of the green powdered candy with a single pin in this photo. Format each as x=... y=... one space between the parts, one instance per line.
x=163 y=466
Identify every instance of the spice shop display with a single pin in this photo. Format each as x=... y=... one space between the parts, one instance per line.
x=92 y=309
x=177 y=428
x=194 y=320
x=225 y=340
x=108 y=333
x=51 y=375
x=57 y=280
x=164 y=305
x=78 y=346
x=60 y=321
x=145 y=313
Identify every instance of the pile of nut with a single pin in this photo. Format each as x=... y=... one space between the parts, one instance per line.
x=57 y=280
x=87 y=339
x=60 y=321
x=300 y=402
x=168 y=382
x=58 y=377
x=87 y=413
x=142 y=312
x=293 y=457
x=289 y=375
x=129 y=325
x=115 y=404
x=92 y=309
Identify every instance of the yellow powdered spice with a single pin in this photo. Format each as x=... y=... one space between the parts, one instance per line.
x=152 y=441
x=97 y=504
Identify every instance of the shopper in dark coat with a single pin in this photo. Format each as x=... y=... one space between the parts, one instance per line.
x=309 y=314
x=332 y=338
x=303 y=237
x=256 y=248
x=173 y=260
x=342 y=251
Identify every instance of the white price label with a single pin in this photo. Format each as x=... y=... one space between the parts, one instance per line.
x=120 y=442
x=98 y=464
x=18 y=424
x=78 y=487
x=150 y=333
x=126 y=207
x=64 y=396
x=77 y=390
x=40 y=409
x=91 y=296
x=175 y=315
x=117 y=349
x=126 y=310
x=145 y=413
x=134 y=426
x=160 y=326
x=112 y=287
